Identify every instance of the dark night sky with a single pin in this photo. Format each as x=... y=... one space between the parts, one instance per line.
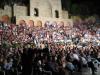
x=85 y=7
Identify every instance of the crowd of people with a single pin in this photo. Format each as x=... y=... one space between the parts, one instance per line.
x=52 y=32
x=53 y=49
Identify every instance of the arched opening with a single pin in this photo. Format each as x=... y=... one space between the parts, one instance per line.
x=5 y=19
x=31 y=23
x=60 y=24
x=39 y=23
x=22 y=22
x=56 y=13
x=36 y=12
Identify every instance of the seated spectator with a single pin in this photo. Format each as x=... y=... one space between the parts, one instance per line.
x=8 y=66
x=69 y=67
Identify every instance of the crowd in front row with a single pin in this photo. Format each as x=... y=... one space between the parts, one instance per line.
x=29 y=61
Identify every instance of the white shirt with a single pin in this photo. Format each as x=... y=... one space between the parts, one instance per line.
x=75 y=56
x=84 y=60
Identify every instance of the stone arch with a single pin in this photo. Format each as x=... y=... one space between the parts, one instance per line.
x=60 y=24
x=39 y=23
x=22 y=22
x=5 y=18
x=31 y=23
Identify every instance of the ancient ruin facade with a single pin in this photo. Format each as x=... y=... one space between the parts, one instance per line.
x=40 y=10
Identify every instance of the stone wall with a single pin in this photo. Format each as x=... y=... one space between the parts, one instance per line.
x=56 y=5
x=5 y=11
x=43 y=6
x=20 y=10
x=34 y=4
x=46 y=11
x=46 y=8
x=65 y=14
x=1 y=13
